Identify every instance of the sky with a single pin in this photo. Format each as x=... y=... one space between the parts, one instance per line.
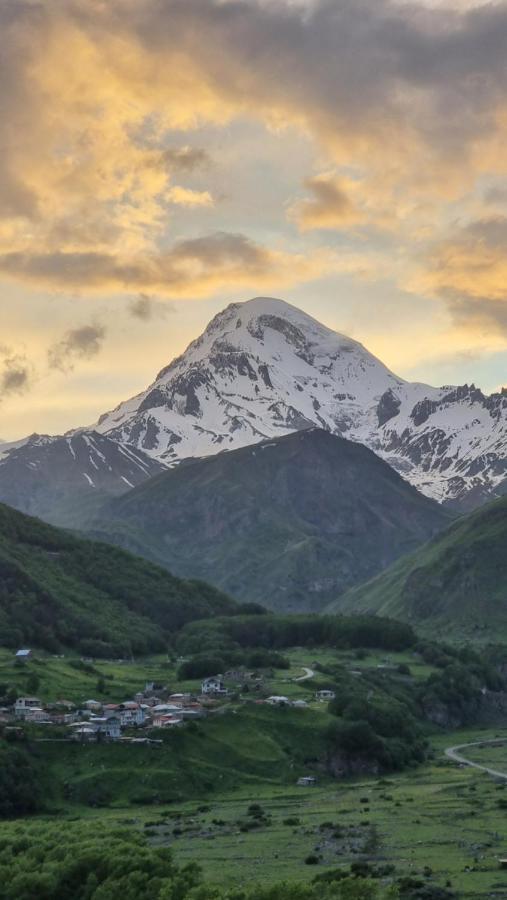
x=160 y=159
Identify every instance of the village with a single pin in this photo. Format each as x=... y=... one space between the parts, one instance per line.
x=153 y=707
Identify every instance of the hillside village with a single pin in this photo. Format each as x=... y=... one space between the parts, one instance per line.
x=153 y=707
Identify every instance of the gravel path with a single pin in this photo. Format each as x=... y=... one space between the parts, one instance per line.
x=455 y=754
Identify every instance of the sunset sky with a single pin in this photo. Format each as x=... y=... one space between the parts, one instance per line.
x=162 y=158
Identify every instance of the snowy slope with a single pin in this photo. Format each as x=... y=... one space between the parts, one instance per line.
x=264 y=368
x=52 y=477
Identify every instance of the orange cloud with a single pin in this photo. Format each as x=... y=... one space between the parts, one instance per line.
x=330 y=207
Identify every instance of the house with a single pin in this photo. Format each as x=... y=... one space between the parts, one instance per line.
x=93 y=705
x=24 y=704
x=84 y=733
x=191 y=713
x=164 y=720
x=278 y=701
x=325 y=696
x=307 y=781
x=107 y=726
x=37 y=714
x=213 y=685
x=23 y=655
x=130 y=713
x=300 y=704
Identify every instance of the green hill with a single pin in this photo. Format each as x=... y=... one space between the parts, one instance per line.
x=60 y=591
x=289 y=523
x=455 y=585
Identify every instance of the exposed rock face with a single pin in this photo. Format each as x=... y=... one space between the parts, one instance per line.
x=341 y=765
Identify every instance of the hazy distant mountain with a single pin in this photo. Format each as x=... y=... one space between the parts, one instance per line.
x=455 y=584
x=290 y=523
x=63 y=479
x=263 y=368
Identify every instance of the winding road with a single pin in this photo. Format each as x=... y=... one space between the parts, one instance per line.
x=309 y=673
x=455 y=754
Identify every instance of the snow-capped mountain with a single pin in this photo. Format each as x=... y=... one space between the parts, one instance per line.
x=56 y=478
x=264 y=368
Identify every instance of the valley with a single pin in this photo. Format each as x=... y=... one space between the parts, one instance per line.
x=222 y=792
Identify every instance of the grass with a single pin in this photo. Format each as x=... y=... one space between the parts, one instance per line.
x=439 y=815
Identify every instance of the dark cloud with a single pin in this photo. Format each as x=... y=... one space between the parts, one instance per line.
x=195 y=265
x=347 y=68
x=83 y=342
x=147 y=308
x=15 y=374
x=184 y=159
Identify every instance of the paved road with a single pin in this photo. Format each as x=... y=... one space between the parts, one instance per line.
x=454 y=753
x=309 y=673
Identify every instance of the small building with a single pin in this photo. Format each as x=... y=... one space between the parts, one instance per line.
x=276 y=700
x=24 y=704
x=325 y=696
x=23 y=655
x=130 y=714
x=93 y=705
x=37 y=714
x=191 y=712
x=214 y=685
x=307 y=781
x=300 y=704
x=164 y=720
x=84 y=733
x=107 y=726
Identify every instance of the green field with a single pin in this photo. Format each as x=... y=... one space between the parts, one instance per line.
x=440 y=822
x=439 y=817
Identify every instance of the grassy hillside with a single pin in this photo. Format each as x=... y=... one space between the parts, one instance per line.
x=59 y=591
x=289 y=523
x=454 y=585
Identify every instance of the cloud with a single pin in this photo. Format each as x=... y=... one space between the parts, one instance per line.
x=83 y=342
x=412 y=99
x=16 y=373
x=146 y=308
x=469 y=271
x=193 y=267
x=186 y=197
x=185 y=159
x=330 y=206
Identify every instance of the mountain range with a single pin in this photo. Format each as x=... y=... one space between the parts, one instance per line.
x=454 y=584
x=289 y=523
x=260 y=370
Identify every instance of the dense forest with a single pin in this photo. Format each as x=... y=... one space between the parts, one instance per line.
x=58 y=591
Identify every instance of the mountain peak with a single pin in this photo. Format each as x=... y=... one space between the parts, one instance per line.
x=263 y=368
x=260 y=369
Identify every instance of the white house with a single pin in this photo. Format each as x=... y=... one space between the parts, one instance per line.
x=213 y=685
x=107 y=726
x=24 y=704
x=130 y=714
x=275 y=700
x=325 y=695
x=23 y=655
x=307 y=781
x=36 y=714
